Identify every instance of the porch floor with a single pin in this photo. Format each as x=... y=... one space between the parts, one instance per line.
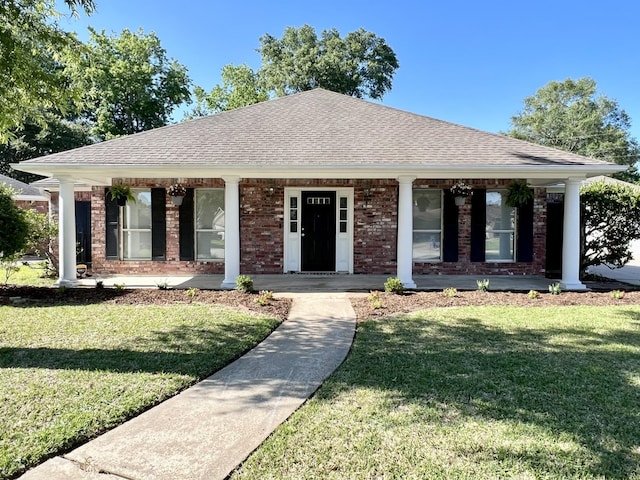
x=315 y=283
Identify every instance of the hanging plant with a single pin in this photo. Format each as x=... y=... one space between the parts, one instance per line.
x=518 y=194
x=177 y=190
x=121 y=194
x=461 y=189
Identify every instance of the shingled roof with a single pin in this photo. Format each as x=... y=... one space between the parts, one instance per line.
x=316 y=130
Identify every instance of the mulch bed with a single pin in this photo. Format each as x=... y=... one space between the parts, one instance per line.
x=410 y=302
x=26 y=296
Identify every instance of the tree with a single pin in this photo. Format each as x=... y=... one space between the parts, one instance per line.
x=610 y=219
x=570 y=116
x=130 y=84
x=360 y=64
x=14 y=227
x=240 y=87
x=31 y=67
x=51 y=134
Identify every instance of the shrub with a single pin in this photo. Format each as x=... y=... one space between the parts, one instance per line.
x=244 y=283
x=483 y=285
x=555 y=289
x=264 y=297
x=119 y=286
x=375 y=300
x=618 y=294
x=99 y=284
x=450 y=292
x=163 y=285
x=192 y=292
x=533 y=294
x=394 y=285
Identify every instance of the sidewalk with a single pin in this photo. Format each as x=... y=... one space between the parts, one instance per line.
x=209 y=429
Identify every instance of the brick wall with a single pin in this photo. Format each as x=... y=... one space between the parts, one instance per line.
x=262 y=212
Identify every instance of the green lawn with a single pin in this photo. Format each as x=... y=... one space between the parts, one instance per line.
x=69 y=372
x=473 y=393
x=33 y=275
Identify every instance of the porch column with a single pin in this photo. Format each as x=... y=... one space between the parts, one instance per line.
x=571 y=236
x=231 y=231
x=405 y=232
x=66 y=234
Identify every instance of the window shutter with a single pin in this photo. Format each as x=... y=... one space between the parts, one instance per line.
x=478 y=224
x=158 y=224
x=111 y=227
x=525 y=232
x=449 y=228
x=187 y=227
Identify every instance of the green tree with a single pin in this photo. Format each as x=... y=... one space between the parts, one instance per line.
x=36 y=138
x=239 y=88
x=571 y=116
x=14 y=227
x=361 y=64
x=31 y=66
x=130 y=83
x=610 y=219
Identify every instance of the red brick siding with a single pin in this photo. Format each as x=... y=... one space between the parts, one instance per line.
x=262 y=212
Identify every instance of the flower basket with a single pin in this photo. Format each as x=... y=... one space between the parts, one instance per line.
x=460 y=192
x=177 y=193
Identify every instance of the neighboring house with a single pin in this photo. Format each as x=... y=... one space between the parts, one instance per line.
x=27 y=196
x=318 y=182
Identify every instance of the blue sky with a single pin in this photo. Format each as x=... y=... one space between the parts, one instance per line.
x=463 y=61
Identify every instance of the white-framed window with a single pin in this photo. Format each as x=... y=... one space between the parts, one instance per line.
x=501 y=228
x=209 y=223
x=427 y=225
x=136 y=227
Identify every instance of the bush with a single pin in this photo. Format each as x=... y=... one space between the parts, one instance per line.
x=483 y=285
x=394 y=285
x=555 y=289
x=244 y=283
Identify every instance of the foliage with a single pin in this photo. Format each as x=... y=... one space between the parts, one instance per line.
x=14 y=227
x=450 y=292
x=42 y=231
x=130 y=83
x=244 y=283
x=162 y=285
x=518 y=194
x=533 y=294
x=192 y=292
x=618 y=294
x=555 y=289
x=70 y=372
x=120 y=287
x=177 y=190
x=34 y=54
x=240 y=88
x=120 y=191
x=568 y=115
x=361 y=64
x=48 y=133
x=264 y=297
x=483 y=285
x=394 y=285
x=610 y=219
x=374 y=300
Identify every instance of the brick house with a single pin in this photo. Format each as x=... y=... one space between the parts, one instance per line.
x=318 y=181
x=27 y=196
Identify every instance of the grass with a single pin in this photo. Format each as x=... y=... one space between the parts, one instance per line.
x=474 y=392
x=68 y=373
x=32 y=274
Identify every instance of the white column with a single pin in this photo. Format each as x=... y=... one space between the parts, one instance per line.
x=231 y=231
x=405 y=232
x=66 y=234
x=571 y=237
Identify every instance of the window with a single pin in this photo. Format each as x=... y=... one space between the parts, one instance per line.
x=500 y=228
x=136 y=227
x=427 y=225
x=209 y=223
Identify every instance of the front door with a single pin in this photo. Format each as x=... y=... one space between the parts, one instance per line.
x=318 y=231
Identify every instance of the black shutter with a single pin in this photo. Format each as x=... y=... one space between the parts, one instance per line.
x=449 y=228
x=158 y=224
x=187 y=227
x=478 y=225
x=525 y=232
x=111 y=227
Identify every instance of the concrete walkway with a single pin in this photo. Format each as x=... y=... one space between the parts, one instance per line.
x=209 y=429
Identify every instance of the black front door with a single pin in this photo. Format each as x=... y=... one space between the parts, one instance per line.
x=83 y=232
x=318 y=231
